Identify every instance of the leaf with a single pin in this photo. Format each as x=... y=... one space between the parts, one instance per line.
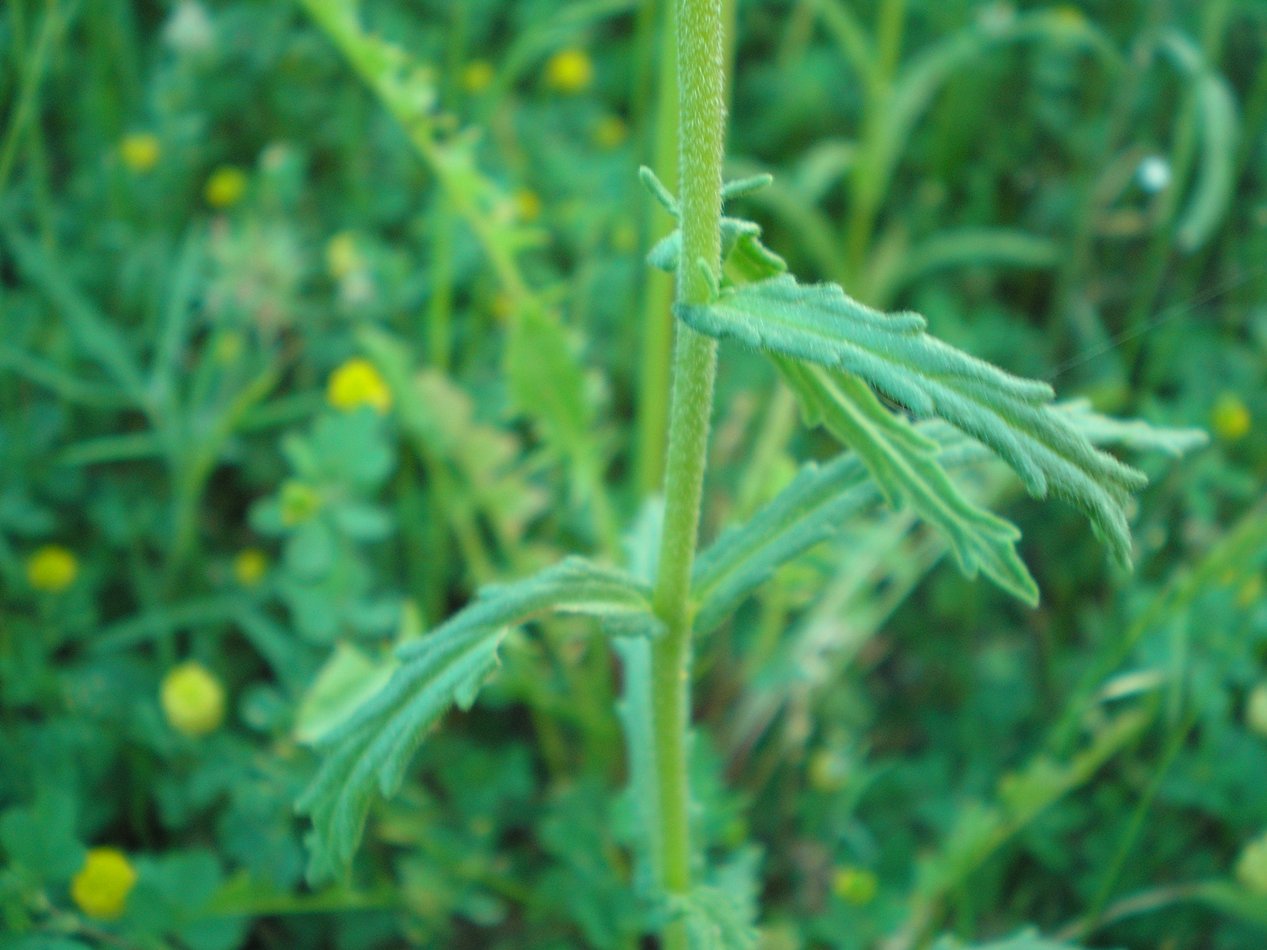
x=715 y=920
x=982 y=830
x=635 y=708
x=547 y=383
x=970 y=246
x=40 y=837
x=637 y=714
x=823 y=497
x=904 y=465
x=1215 y=108
x=174 y=327
x=1134 y=434
x=91 y=329
x=899 y=108
x=1013 y=416
x=809 y=510
x=1025 y=940
x=742 y=251
x=1233 y=901
x=440 y=420
x=1216 y=181
x=370 y=749
x=346 y=681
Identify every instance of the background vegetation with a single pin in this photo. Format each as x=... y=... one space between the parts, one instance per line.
x=304 y=341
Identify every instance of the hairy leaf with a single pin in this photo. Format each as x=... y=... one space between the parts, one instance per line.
x=1133 y=434
x=742 y=251
x=548 y=384
x=1013 y=416
x=822 y=497
x=716 y=920
x=369 y=750
x=904 y=464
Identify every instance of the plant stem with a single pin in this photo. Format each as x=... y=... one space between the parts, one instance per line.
x=657 y=321
x=702 y=123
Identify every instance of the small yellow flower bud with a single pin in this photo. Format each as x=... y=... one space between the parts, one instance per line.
x=854 y=885
x=826 y=771
x=502 y=306
x=225 y=187
x=101 y=887
x=342 y=257
x=610 y=132
x=52 y=569
x=192 y=700
x=140 y=151
x=1251 y=867
x=477 y=75
x=1230 y=418
x=1069 y=17
x=357 y=383
x=569 y=71
x=250 y=566
x=527 y=205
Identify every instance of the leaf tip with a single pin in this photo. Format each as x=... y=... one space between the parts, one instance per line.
x=656 y=189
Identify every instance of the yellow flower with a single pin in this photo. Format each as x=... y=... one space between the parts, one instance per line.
x=342 y=257
x=52 y=569
x=250 y=566
x=357 y=383
x=225 y=187
x=854 y=885
x=477 y=75
x=101 y=887
x=1069 y=17
x=192 y=700
x=527 y=205
x=826 y=771
x=139 y=151
x=569 y=71
x=1230 y=418
x=610 y=131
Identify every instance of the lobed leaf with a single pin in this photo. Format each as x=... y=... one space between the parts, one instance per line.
x=818 y=323
x=1133 y=434
x=741 y=246
x=715 y=920
x=547 y=383
x=904 y=465
x=369 y=749
x=822 y=497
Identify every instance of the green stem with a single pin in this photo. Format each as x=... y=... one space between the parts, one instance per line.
x=440 y=306
x=657 y=319
x=702 y=123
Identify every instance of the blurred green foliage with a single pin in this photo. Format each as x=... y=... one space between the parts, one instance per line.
x=209 y=209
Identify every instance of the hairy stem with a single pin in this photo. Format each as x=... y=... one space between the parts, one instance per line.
x=702 y=123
